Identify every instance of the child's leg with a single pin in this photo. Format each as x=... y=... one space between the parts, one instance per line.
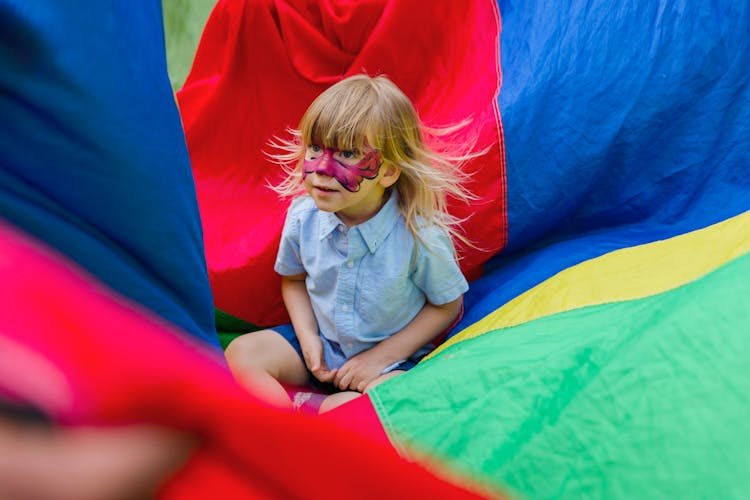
x=339 y=398
x=383 y=378
x=262 y=361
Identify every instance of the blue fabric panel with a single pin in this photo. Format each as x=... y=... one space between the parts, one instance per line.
x=624 y=124
x=626 y=113
x=93 y=160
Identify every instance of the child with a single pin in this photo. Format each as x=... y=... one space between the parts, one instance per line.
x=369 y=275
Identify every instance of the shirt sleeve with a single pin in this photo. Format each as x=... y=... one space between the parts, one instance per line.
x=288 y=259
x=436 y=272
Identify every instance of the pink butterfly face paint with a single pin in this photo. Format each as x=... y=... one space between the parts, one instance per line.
x=350 y=176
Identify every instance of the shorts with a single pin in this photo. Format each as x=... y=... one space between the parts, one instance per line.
x=335 y=356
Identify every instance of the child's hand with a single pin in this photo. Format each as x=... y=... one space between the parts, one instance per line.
x=359 y=371
x=312 y=352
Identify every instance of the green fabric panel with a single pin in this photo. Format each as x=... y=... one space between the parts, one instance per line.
x=641 y=399
x=183 y=25
x=229 y=327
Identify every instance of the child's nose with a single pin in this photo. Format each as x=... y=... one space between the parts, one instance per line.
x=325 y=164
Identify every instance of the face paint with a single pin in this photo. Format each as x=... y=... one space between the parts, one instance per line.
x=349 y=176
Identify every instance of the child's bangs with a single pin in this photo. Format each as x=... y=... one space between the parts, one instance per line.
x=342 y=129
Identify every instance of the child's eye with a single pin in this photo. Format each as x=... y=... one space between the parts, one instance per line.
x=348 y=154
x=315 y=148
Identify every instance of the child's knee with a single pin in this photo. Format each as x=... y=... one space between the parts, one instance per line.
x=246 y=350
x=265 y=351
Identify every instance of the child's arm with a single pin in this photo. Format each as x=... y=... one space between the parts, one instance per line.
x=297 y=302
x=368 y=365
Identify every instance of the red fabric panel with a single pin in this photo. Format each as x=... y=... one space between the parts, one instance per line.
x=361 y=414
x=86 y=357
x=260 y=64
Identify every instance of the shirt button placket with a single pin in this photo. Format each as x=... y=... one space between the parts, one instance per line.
x=345 y=294
x=348 y=273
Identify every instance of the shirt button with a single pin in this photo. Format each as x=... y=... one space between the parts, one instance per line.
x=350 y=264
x=341 y=228
x=344 y=307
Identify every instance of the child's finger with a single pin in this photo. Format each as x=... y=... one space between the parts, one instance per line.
x=343 y=381
x=317 y=366
x=310 y=364
x=327 y=375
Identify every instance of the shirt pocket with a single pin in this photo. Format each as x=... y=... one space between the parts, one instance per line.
x=384 y=301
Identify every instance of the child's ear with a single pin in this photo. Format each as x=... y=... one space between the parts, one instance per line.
x=390 y=175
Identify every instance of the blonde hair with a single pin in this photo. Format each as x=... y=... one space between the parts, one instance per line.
x=372 y=111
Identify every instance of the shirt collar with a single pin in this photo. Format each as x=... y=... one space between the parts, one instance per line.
x=374 y=230
x=328 y=223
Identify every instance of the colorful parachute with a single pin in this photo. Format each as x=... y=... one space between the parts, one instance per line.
x=604 y=348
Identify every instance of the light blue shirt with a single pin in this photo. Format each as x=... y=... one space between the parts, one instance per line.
x=364 y=282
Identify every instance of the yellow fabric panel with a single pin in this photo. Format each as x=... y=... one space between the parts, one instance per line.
x=625 y=274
